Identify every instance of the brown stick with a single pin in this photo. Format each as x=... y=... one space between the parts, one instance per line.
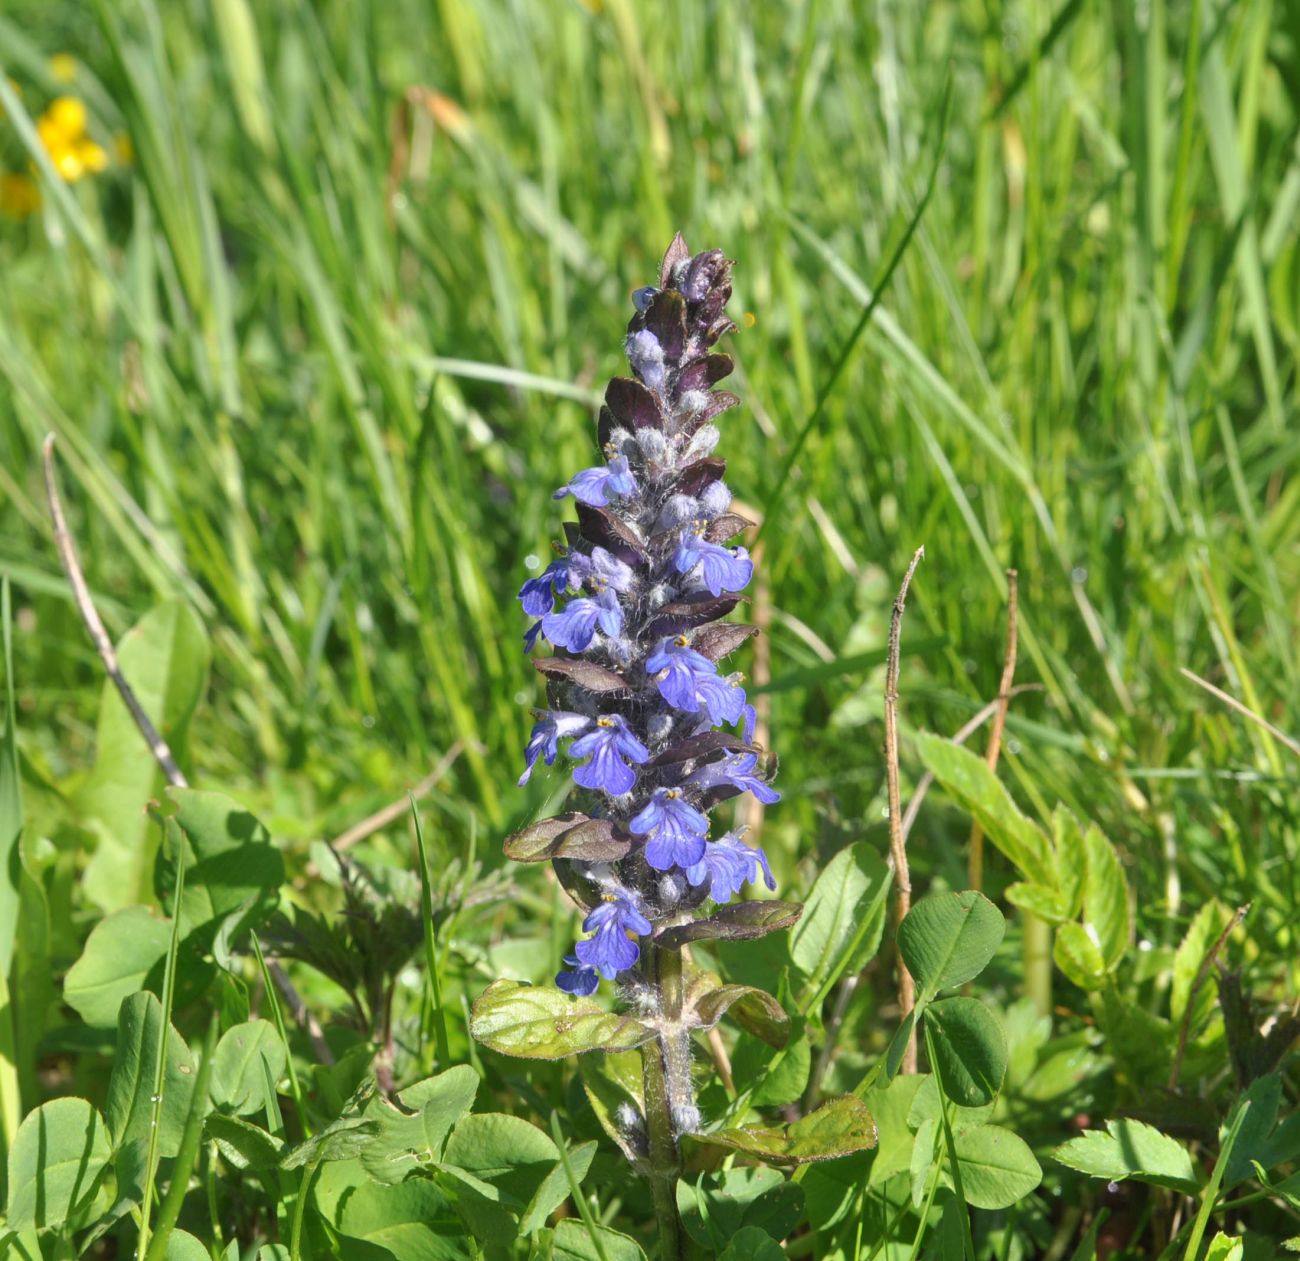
x=1233 y=703
x=157 y=745
x=1185 y=1026
x=897 y=845
x=976 y=856
x=396 y=809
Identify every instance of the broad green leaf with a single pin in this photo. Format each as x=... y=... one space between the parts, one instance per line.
x=182 y=1246
x=968 y=780
x=779 y=1083
x=753 y=1009
x=844 y=915
x=929 y=1102
x=404 y=1140
x=58 y=1157
x=1260 y=1103
x=890 y=1106
x=572 y=1241
x=230 y=861
x=341 y=1139
x=1130 y=1149
x=834 y=1187
x=1071 y=860
x=1048 y=904
x=611 y=1084
x=11 y=803
x=838 y=1127
x=970 y=1049
x=1204 y=928
x=243 y=1144
x=411 y=1222
x=118 y=955
x=129 y=1105
x=165 y=659
x=543 y=1023
x=948 y=938
x=502 y=1163
x=997 y=1167
x=1105 y=897
x=246 y=1057
x=1226 y=1248
x=1077 y=955
x=713 y=1209
x=555 y=1189
x=739 y=921
x=752 y=1244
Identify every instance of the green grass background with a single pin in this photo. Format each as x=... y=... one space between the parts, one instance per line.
x=317 y=358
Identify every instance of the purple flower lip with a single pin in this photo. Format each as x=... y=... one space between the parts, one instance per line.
x=607 y=748
x=610 y=950
x=676 y=830
x=729 y=864
x=720 y=568
x=593 y=485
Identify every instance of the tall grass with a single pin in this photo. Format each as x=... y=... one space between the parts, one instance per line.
x=318 y=355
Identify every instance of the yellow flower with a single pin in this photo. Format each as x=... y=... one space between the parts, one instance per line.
x=68 y=114
x=19 y=195
x=63 y=66
x=62 y=129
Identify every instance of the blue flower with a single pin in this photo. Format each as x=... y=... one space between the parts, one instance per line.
x=593 y=485
x=574 y=626
x=537 y=595
x=736 y=770
x=607 y=747
x=729 y=864
x=577 y=979
x=641 y=298
x=722 y=568
x=600 y=570
x=680 y=669
x=646 y=355
x=610 y=951
x=723 y=698
x=675 y=827
x=531 y=634
x=546 y=735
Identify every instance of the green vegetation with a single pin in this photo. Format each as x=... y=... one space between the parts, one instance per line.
x=317 y=343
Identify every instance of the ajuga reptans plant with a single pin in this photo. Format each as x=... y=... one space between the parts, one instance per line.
x=657 y=730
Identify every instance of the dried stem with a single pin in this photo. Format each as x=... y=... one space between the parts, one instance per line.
x=157 y=745
x=897 y=844
x=1185 y=1027
x=976 y=850
x=1232 y=702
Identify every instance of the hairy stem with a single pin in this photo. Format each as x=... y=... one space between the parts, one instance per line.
x=669 y=1095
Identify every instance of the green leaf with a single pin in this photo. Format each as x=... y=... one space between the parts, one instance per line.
x=1130 y=1149
x=442 y=1101
x=752 y=1059
x=243 y=1144
x=230 y=861
x=182 y=1246
x=405 y=1140
x=59 y=1155
x=890 y=1107
x=248 y=1055
x=968 y=780
x=740 y=921
x=341 y=1139
x=118 y=955
x=1079 y=957
x=1105 y=898
x=1071 y=860
x=1048 y=904
x=838 y=1127
x=752 y=1244
x=415 y=1221
x=753 y=1009
x=715 y=1207
x=1226 y=1248
x=997 y=1167
x=948 y=938
x=970 y=1049
x=1204 y=928
x=543 y=1023
x=555 y=1188
x=165 y=659
x=501 y=1162
x=572 y=1241
x=129 y=1105
x=843 y=916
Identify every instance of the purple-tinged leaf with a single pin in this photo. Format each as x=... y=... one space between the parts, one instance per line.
x=695 y=610
x=586 y=674
x=695 y=477
x=632 y=405
x=740 y=921
x=531 y=844
x=754 y=1010
x=605 y=529
x=721 y=639
x=595 y=841
x=726 y=526
x=677 y=253
x=702 y=745
x=666 y=319
x=703 y=373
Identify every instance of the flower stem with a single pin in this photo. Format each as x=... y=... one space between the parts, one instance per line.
x=666 y=1074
